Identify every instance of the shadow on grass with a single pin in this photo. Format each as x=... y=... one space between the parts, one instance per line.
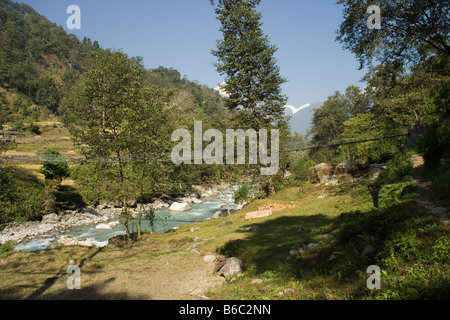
x=268 y=248
x=68 y=198
x=49 y=282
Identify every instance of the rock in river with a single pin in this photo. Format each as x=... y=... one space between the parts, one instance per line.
x=179 y=207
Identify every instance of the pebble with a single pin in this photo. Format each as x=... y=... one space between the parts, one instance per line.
x=335 y=255
x=312 y=246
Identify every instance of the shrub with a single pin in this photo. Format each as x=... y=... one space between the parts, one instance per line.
x=398 y=169
x=20 y=195
x=242 y=194
x=54 y=170
x=7 y=247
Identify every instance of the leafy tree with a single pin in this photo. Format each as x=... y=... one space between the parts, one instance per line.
x=246 y=58
x=114 y=115
x=242 y=194
x=327 y=123
x=54 y=168
x=366 y=127
x=410 y=30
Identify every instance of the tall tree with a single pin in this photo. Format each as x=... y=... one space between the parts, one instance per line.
x=108 y=112
x=327 y=123
x=246 y=58
x=410 y=30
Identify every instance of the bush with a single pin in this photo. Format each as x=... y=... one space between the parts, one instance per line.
x=242 y=194
x=54 y=170
x=7 y=247
x=20 y=195
x=300 y=166
x=34 y=128
x=398 y=169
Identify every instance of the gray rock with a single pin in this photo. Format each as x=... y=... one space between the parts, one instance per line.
x=232 y=266
x=300 y=230
x=335 y=255
x=312 y=246
x=194 y=229
x=196 y=250
x=179 y=207
x=438 y=211
x=368 y=249
x=50 y=218
x=209 y=258
x=225 y=223
x=220 y=214
x=256 y=281
x=253 y=228
x=288 y=290
x=426 y=185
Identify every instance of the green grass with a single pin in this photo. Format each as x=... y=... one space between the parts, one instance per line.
x=410 y=247
x=406 y=242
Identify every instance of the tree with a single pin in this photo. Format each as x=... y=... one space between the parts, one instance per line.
x=327 y=124
x=366 y=126
x=113 y=115
x=54 y=168
x=410 y=30
x=246 y=58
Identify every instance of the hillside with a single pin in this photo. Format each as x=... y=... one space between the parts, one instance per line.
x=408 y=244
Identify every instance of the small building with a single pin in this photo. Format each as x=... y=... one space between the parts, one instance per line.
x=8 y=136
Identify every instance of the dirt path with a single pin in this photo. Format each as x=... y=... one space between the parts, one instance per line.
x=137 y=273
x=418 y=178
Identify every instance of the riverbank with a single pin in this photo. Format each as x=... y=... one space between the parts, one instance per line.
x=307 y=249
x=105 y=214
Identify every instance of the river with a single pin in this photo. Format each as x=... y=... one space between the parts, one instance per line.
x=164 y=221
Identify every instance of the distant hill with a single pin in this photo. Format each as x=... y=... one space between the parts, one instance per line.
x=40 y=62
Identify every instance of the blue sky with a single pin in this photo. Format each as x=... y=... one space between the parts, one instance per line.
x=181 y=34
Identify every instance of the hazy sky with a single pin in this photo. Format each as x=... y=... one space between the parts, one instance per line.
x=181 y=34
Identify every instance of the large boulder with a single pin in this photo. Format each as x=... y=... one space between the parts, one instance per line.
x=333 y=174
x=232 y=266
x=179 y=207
x=158 y=204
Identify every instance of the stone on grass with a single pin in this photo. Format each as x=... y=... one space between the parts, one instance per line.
x=312 y=246
x=256 y=281
x=253 y=228
x=225 y=223
x=288 y=290
x=368 y=249
x=232 y=266
x=438 y=211
x=335 y=255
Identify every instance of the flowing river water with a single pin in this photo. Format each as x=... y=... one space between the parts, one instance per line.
x=164 y=221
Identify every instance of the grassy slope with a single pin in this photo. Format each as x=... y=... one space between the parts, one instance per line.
x=411 y=248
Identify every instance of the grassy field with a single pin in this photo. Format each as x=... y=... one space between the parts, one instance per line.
x=411 y=248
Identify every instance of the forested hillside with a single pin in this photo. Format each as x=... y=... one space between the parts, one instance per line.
x=41 y=65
